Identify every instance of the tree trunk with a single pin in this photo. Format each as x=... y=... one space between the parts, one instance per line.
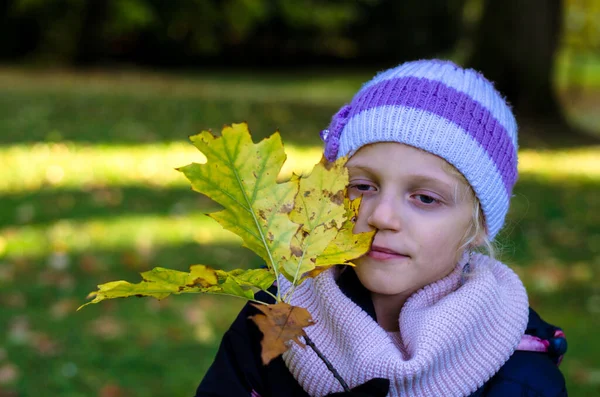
x=515 y=47
x=89 y=48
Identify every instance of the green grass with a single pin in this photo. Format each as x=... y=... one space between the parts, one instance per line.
x=89 y=194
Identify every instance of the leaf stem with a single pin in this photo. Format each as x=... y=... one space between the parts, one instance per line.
x=256 y=223
x=330 y=367
x=222 y=293
x=293 y=288
x=269 y=293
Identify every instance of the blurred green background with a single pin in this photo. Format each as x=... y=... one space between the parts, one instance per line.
x=97 y=99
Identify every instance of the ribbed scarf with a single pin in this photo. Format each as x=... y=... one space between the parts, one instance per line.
x=456 y=333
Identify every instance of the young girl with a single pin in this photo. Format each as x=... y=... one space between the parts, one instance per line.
x=433 y=152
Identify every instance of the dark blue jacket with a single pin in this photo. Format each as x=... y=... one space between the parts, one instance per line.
x=237 y=369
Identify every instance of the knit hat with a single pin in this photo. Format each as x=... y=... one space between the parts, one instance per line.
x=445 y=110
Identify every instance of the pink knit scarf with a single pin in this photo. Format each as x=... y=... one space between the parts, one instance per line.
x=456 y=333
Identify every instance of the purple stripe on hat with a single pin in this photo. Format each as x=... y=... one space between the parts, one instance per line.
x=451 y=104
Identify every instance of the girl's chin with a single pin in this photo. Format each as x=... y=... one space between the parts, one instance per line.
x=387 y=289
x=382 y=283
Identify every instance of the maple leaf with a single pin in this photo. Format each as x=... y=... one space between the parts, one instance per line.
x=280 y=324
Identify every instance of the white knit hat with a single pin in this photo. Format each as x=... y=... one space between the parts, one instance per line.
x=445 y=110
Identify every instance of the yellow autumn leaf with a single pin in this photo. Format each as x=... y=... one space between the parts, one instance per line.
x=346 y=245
x=300 y=227
x=279 y=324
x=320 y=212
x=241 y=176
x=160 y=283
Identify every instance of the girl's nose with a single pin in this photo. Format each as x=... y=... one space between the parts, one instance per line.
x=385 y=215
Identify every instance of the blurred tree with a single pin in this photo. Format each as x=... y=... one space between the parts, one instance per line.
x=581 y=40
x=89 y=42
x=262 y=32
x=409 y=29
x=515 y=46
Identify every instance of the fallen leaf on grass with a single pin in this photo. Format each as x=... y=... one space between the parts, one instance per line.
x=106 y=327
x=58 y=279
x=280 y=324
x=111 y=390
x=14 y=300
x=90 y=264
x=8 y=373
x=62 y=308
x=44 y=344
x=19 y=330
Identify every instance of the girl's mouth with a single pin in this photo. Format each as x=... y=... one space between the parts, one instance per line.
x=382 y=253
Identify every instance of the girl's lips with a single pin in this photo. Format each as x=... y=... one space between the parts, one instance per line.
x=381 y=253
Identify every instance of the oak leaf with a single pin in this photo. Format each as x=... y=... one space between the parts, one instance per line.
x=160 y=283
x=346 y=245
x=300 y=228
x=320 y=212
x=280 y=324
x=242 y=177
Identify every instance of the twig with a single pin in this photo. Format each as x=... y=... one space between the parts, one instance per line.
x=330 y=367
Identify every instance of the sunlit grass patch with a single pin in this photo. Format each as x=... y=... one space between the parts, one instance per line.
x=560 y=164
x=143 y=233
x=69 y=165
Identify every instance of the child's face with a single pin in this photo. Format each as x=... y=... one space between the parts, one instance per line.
x=419 y=211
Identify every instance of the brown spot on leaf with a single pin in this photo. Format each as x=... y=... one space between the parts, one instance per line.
x=200 y=282
x=296 y=251
x=270 y=236
x=280 y=324
x=338 y=198
x=286 y=209
x=307 y=193
x=262 y=214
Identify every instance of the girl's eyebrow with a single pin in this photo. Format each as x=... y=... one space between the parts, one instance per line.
x=430 y=180
x=418 y=178
x=360 y=168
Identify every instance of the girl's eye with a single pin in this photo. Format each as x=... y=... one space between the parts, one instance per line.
x=362 y=187
x=425 y=199
x=356 y=189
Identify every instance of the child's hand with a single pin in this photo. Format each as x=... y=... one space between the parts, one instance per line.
x=376 y=387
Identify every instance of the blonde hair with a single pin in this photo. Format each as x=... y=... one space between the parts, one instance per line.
x=476 y=236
